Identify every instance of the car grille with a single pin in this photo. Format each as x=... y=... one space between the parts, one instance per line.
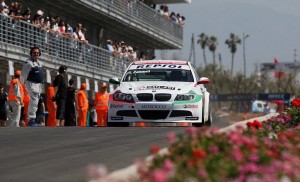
x=145 y=97
x=128 y=113
x=178 y=113
x=162 y=97
x=149 y=97
x=148 y=114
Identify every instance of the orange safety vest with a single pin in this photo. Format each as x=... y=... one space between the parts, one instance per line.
x=83 y=102
x=101 y=101
x=11 y=93
x=26 y=95
x=51 y=107
x=50 y=95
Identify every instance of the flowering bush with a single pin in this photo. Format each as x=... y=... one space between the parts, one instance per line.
x=294 y=110
x=267 y=151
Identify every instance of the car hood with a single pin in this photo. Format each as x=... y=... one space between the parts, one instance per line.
x=158 y=87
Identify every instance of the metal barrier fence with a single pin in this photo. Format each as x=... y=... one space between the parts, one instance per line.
x=139 y=13
x=71 y=51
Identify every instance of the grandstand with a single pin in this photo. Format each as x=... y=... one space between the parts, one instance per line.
x=133 y=21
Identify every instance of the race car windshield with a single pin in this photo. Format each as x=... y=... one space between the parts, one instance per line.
x=174 y=75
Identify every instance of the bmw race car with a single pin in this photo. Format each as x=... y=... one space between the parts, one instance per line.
x=159 y=91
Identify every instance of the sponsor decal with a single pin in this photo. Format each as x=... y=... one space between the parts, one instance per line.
x=155 y=87
x=142 y=71
x=191 y=118
x=160 y=87
x=116 y=106
x=190 y=106
x=153 y=106
x=160 y=62
x=159 y=66
x=116 y=118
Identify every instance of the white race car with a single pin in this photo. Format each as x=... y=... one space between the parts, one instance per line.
x=159 y=92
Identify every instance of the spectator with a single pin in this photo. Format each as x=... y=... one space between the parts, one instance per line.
x=4 y=8
x=161 y=9
x=4 y=11
x=26 y=101
x=78 y=32
x=69 y=31
x=33 y=77
x=178 y=17
x=92 y=116
x=12 y=9
x=37 y=18
x=82 y=105
x=25 y=16
x=182 y=22
x=143 y=57
x=18 y=7
x=3 y=4
x=166 y=12
x=108 y=46
x=56 y=21
x=83 y=39
x=173 y=17
x=51 y=105
x=70 y=113
x=267 y=109
x=61 y=27
x=132 y=54
x=60 y=85
x=3 y=106
x=15 y=99
x=101 y=104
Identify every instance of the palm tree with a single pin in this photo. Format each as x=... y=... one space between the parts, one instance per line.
x=202 y=41
x=232 y=44
x=212 y=45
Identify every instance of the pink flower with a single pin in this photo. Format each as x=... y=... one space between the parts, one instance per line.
x=168 y=165
x=250 y=167
x=191 y=131
x=254 y=157
x=171 y=137
x=214 y=149
x=237 y=154
x=159 y=175
x=202 y=173
x=96 y=171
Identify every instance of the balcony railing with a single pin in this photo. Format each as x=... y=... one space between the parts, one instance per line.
x=138 y=13
x=68 y=50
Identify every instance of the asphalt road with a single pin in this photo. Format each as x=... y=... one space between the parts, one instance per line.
x=62 y=154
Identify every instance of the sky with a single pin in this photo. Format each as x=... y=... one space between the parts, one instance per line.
x=273 y=27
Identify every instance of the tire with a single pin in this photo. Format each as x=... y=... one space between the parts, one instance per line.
x=209 y=121
x=197 y=124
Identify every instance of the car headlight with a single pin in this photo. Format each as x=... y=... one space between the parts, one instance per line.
x=182 y=97
x=119 y=96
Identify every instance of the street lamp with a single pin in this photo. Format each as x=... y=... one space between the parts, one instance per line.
x=244 y=54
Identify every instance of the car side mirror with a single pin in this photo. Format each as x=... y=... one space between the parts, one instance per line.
x=114 y=80
x=203 y=80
